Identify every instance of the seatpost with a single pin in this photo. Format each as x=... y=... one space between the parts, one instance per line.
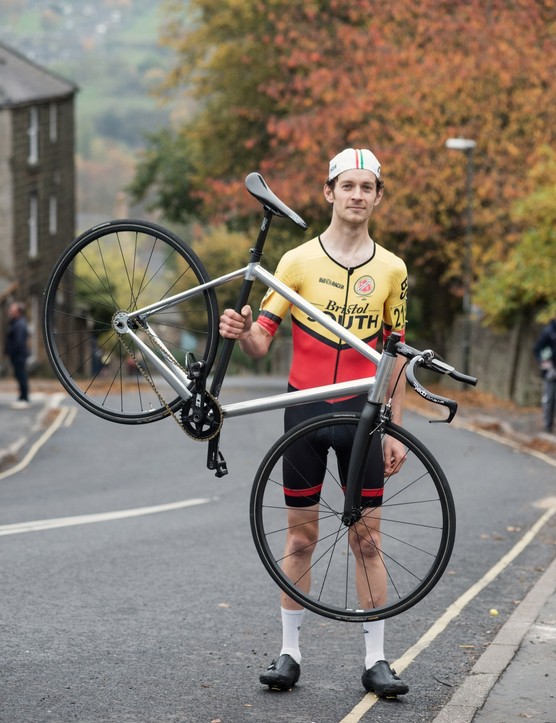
x=242 y=299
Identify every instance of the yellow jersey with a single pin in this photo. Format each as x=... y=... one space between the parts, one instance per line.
x=368 y=299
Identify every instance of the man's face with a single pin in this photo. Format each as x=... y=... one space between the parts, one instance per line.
x=354 y=195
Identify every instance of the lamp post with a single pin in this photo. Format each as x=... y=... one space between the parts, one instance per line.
x=467 y=146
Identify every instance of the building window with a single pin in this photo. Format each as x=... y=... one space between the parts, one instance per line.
x=33 y=226
x=53 y=215
x=53 y=122
x=33 y=132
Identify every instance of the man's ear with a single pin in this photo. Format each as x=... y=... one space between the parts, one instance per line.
x=328 y=193
x=378 y=198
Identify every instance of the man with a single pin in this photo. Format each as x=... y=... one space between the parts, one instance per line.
x=16 y=350
x=363 y=286
x=545 y=354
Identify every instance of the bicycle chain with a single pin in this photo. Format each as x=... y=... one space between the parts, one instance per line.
x=161 y=399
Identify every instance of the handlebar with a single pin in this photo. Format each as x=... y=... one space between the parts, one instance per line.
x=428 y=360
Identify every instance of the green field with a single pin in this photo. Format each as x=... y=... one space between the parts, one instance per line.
x=115 y=71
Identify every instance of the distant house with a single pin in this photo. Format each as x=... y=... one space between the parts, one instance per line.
x=37 y=183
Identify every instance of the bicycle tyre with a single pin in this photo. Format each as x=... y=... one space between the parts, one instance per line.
x=124 y=265
x=417 y=528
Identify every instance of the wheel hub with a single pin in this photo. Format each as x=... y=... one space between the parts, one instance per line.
x=120 y=322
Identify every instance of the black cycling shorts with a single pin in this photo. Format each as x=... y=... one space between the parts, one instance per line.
x=305 y=462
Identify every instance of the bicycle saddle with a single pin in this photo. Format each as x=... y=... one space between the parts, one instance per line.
x=257 y=187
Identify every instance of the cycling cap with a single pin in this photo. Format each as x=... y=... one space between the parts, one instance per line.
x=353 y=158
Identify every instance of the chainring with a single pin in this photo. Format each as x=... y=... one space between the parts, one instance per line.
x=202 y=424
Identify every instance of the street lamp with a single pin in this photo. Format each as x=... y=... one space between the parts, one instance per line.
x=467 y=146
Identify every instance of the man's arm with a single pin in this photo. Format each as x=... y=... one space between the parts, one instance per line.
x=253 y=339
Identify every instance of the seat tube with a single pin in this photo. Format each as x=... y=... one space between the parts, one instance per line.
x=243 y=298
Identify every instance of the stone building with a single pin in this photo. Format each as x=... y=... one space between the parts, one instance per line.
x=37 y=184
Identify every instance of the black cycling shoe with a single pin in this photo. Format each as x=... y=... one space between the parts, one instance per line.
x=383 y=681
x=281 y=674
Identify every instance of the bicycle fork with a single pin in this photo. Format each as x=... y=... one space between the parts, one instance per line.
x=371 y=421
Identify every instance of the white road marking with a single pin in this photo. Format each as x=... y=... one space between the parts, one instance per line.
x=38 y=525
x=452 y=612
x=56 y=424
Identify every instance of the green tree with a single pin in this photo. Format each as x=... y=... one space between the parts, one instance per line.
x=526 y=279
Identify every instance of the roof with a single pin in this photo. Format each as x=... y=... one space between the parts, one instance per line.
x=23 y=82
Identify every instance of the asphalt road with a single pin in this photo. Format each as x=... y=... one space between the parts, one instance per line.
x=156 y=614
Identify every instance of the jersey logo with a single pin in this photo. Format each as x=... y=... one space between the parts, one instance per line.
x=364 y=286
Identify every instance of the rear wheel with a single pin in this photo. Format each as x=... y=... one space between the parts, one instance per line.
x=410 y=536
x=113 y=269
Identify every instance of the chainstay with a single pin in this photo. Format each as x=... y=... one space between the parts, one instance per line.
x=153 y=386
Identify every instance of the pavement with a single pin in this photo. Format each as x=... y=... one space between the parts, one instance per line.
x=515 y=678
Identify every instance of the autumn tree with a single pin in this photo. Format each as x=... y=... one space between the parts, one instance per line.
x=280 y=87
x=526 y=279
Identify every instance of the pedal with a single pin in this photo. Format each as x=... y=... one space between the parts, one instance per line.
x=221 y=466
x=195 y=369
x=215 y=458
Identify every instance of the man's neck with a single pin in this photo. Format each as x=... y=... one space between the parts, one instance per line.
x=349 y=245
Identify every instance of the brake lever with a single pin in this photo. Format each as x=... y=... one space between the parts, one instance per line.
x=450 y=404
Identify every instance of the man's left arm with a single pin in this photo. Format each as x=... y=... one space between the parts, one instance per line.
x=395 y=315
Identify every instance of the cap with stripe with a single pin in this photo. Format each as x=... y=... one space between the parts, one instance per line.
x=351 y=159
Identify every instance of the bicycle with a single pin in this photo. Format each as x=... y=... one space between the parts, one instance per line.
x=133 y=362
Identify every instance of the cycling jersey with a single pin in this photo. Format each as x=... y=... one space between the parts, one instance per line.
x=365 y=299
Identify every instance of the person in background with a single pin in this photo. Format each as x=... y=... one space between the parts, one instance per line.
x=545 y=354
x=17 y=351
x=341 y=270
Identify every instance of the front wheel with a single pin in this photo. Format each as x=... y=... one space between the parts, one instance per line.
x=379 y=566
x=115 y=268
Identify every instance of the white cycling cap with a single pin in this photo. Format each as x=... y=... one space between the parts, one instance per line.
x=351 y=159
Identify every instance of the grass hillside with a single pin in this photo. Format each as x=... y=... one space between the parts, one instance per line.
x=110 y=50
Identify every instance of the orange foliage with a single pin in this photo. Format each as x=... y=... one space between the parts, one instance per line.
x=314 y=77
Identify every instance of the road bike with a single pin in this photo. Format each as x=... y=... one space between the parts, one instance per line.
x=131 y=330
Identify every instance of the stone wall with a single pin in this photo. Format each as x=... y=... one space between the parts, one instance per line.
x=503 y=361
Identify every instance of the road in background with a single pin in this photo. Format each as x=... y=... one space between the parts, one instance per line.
x=166 y=614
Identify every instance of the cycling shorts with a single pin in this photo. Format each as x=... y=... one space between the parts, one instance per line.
x=305 y=462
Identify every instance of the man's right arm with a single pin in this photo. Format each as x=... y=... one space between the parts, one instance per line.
x=253 y=339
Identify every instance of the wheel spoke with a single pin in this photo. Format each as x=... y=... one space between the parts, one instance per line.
x=401 y=547
x=119 y=267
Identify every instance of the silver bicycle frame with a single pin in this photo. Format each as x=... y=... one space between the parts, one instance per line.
x=177 y=380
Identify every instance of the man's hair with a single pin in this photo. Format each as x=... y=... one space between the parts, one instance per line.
x=20 y=306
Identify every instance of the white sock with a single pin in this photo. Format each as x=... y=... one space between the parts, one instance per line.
x=291 y=626
x=374 y=642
